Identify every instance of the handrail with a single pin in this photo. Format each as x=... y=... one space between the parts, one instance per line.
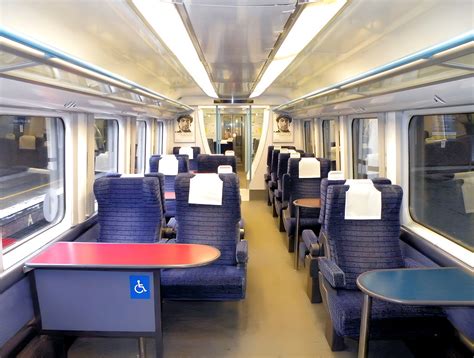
x=51 y=53
x=420 y=55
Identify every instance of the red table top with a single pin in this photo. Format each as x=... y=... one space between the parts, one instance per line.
x=170 y=195
x=87 y=255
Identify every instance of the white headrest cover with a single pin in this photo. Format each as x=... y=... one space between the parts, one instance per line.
x=27 y=142
x=188 y=151
x=132 y=176
x=223 y=141
x=363 y=200
x=168 y=165
x=284 y=150
x=295 y=155
x=224 y=169
x=278 y=147
x=335 y=175
x=309 y=168
x=229 y=153
x=205 y=189
x=467 y=189
x=10 y=136
x=291 y=151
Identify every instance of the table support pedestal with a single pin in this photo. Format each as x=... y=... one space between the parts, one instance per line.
x=158 y=328
x=297 y=237
x=365 y=327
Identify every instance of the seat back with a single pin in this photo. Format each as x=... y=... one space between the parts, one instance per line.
x=357 y=246
x=305 y=187
x=215 y=225
x=324 y=188
x=130 y=208
x=192 y=162
x=183 y=167
x=207 y=163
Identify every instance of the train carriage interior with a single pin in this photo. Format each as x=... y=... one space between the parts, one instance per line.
x=237 y=178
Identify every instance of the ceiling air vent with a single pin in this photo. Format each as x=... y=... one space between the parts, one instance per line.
x=70 y=104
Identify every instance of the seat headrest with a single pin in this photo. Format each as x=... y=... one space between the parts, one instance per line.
x=224 y=169
x=168 y=165
x=10 y=136
x=27 y=142
x=467 y=190
x=229 y=152
x=335 y=175
x=284 y=150
x=295 y=155
x=309 y=168
x=132 y=176
x=205 y=189
x=363 y=200
x=188 y=151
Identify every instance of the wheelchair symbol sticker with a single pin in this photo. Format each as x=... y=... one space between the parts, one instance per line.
x=139 y=287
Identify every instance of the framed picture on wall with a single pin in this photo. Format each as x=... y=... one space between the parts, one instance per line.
x=184 y=129
x=282 y=129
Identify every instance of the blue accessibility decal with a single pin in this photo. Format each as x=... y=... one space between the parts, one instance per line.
x=139 y=287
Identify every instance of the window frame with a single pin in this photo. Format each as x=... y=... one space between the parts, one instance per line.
x=159 y=143
x=425 y=233
x=34 y=242
x=119 y=130
x=145 y=144
x=337 y=138
x=381 y=141
x=312 y=135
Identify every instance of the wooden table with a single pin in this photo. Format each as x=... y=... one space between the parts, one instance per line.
x=108 y=289
x=311 y=203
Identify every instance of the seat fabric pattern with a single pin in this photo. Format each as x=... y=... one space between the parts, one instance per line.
x=209 y=163
x=357 y=246
x=130 y=209
x=213 y=225
x=345 y=307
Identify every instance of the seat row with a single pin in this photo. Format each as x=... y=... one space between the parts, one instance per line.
x=356 y=229
x=205 y=210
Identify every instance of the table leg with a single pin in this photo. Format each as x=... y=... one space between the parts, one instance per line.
x=297 y=237
x=141 y=347
x=365 y=327
x=158 y=329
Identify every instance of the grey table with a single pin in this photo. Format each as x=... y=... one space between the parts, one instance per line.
x=425 y=287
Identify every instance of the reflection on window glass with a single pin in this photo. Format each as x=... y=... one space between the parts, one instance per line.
x=209 y=115
x=441 y=175
x=308 y=137
x=365 y=148
x=329 y=142
x=106 y=147
x=140 y=148
x=257 y=125
x=31 y=175
x=159 y=141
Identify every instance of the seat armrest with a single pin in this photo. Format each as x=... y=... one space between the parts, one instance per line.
x=332 y=273
x=278 y=193
x=241 y=252
x=311 y=242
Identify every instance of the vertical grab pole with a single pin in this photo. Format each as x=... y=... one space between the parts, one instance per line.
x=248 y=144
x=218 y=131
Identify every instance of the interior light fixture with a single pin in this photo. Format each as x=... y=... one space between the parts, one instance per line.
x=310 y=22
x=164 y=18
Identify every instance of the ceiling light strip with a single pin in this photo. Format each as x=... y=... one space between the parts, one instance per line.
x=51 y=54
x=458 y=42
x=165 y=20
x=312 y=19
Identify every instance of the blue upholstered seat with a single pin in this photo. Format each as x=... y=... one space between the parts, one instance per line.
x=183 y=167
x=192 y=162
x=357 y=246
x=302 y=188
x=130 y=209
x=215 y=225
x=207 y=163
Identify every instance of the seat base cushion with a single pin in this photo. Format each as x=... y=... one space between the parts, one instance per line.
x=345 y=307
x=214 y=282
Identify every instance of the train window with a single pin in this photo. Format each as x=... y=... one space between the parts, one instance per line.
x=159 y=137
x=308 y=136
x=365 y=148
x=106 y=146
x=441 y=177
x=140 y=148
x=330 y=142
x=32 y=176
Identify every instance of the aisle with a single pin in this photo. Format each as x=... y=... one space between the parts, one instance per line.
x=275 y=320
